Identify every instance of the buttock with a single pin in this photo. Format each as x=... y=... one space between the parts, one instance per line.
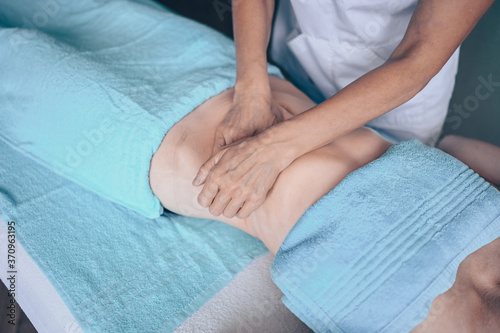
x=189 y=143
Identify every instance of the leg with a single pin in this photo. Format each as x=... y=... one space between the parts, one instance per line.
x=482 y=157
x=309 y=178
x=188 y=144
x=472 y=304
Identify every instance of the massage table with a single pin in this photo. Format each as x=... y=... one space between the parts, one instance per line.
x=142 y=62
x=68 y=215
x=250 y=302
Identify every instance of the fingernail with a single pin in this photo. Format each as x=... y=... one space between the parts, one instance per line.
x=196 y=181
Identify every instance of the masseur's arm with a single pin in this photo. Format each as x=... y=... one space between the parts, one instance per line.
x=245 y=172
x=253 y=108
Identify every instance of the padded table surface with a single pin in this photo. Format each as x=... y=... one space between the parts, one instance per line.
x=250 y=302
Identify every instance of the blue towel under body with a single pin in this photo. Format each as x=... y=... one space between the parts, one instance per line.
x=116 y=270
x=372 y=254
x=89 y=88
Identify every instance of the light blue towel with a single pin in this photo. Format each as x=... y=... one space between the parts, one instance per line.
x=372 y=254
x=89 y=88
x=116 y=270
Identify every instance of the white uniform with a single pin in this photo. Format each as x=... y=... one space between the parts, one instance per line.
x=326 y=44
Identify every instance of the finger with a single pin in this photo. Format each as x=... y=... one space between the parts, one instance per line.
x=219 y=204
x=220 y=141
x=232 y=207
x=248 y=208
x=207 y=194
x=205 y=169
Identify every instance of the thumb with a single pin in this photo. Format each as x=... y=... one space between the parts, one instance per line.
x=220 y=141
x=205 y=169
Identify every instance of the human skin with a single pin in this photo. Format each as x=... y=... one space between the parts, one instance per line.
x=436 y=29
x=253 y=108
x=189 y=142
x=482 y=157
x=471 y=305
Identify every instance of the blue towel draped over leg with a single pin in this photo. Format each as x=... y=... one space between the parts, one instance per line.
x=372 y=254
x=116 y=270
x=89 y=88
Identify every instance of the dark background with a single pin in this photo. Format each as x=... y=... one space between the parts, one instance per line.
x=480 y=56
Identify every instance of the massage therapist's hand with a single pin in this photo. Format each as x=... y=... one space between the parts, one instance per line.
x=238 y=177
x=252 y=112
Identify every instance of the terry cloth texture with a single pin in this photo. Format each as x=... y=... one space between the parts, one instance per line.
x=372 y=254
x=116 y=270
x=90 y=88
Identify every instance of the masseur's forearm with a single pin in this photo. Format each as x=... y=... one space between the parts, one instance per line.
x=243 y=174
x=436 y=29
x=372 y=95
x=253 y=109
x=252 y=30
